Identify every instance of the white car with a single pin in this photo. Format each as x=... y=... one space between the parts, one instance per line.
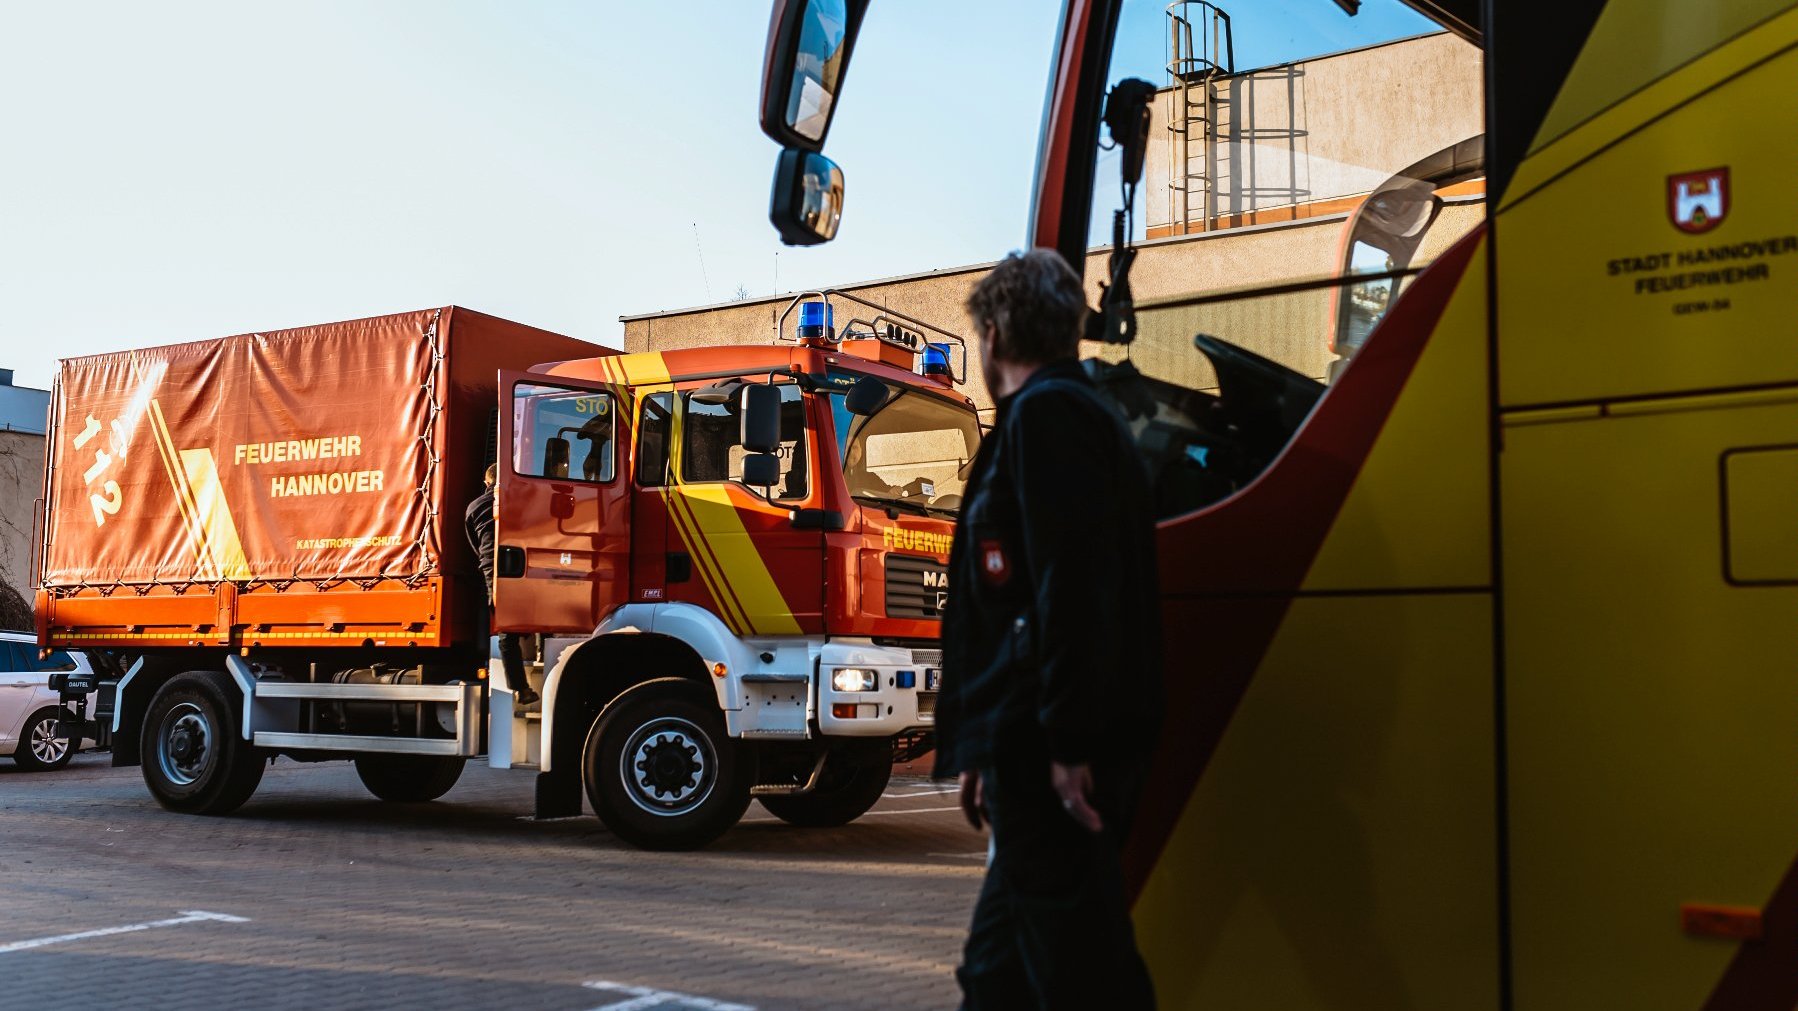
x=28 y=706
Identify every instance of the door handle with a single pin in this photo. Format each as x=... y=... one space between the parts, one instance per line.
x=509 y=561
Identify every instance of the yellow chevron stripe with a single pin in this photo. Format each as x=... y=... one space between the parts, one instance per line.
x=703 y=559
x=710 y=570
x=647 y=368
x=214 y=513
x=721 y=526
x=184 y=503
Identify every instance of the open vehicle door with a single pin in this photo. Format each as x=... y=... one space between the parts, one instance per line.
x=562 y=541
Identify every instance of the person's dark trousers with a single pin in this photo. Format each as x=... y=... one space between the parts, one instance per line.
x=511 y=652
x=1052 y=925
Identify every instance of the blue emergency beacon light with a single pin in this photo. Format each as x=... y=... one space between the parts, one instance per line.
x=816 y=321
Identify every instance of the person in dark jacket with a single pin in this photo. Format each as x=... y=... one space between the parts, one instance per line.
x=1051 y=667
x=479 y=523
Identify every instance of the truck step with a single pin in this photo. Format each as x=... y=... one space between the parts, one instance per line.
x=356 y=742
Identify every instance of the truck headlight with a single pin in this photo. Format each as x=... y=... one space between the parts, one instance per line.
x=854 y=679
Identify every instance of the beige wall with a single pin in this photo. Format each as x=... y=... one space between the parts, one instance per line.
x=1168 y=267
x=1291 y=329
x=21 y=480
x=1321 y=129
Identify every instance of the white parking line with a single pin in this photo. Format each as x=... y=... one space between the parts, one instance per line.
x=915 y=810
x=186 y=917
x=642 y=997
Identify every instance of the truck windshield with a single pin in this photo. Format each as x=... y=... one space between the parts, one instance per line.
x=912 y=454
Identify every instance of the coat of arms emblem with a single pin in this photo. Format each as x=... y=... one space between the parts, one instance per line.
x=1698 y=201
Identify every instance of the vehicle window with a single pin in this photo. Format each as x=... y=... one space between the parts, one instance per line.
x=560 y=432
x=654 y=433
x=13 y=657
x=1297 y=175
x=58 y=660
x=915 y=451
x=711 y=449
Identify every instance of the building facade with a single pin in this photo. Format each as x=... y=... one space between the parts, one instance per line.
x=1292 y=151
x=24 y=413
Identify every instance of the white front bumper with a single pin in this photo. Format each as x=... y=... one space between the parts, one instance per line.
x=894 y=706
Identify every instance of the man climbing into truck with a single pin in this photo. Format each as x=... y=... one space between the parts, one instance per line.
x=479 y=523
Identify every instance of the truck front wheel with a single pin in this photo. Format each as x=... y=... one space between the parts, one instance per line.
x=409 y=778
x=194 y=756
x=852 y=782
x=661 y=772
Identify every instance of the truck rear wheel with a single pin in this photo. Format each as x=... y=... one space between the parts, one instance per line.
x=661 y=772
x=194 y=756
x=409 y=778
x=852 y=782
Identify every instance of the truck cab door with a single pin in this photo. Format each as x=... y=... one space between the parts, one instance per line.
x=762 y=574
x=562 y=510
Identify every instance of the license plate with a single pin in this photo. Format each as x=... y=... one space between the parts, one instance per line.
x=933 y=679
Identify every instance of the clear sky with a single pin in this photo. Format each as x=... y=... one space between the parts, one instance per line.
x=182 y=170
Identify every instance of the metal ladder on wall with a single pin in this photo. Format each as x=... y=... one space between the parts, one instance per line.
x=1200 y=50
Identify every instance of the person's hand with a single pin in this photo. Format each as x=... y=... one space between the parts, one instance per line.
x=1074 y=784
x=973 y=799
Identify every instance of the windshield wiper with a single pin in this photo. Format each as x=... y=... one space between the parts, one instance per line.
x=894 y=503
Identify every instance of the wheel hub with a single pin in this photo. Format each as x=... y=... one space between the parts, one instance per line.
x=668 y=766
x=46 y=747
x=186 y=744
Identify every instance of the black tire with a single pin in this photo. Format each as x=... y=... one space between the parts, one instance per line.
x=684 y=782
x=409 y=778
x=852 y=782
x=195 y=759
x=38 y=750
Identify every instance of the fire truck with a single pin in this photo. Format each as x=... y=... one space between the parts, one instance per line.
x=732 y=560
x=1479 y=685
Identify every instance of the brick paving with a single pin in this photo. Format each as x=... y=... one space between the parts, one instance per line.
x=465 y=902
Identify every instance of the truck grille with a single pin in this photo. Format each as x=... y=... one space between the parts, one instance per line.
x=916 y=587
x=927 y=705
x=927 y=657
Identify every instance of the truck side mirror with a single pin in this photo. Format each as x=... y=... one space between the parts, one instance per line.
x=865 y=397
x=809 y=44
x=807 y=203
x=761 y=470
x=555 y=457
x=760 y=420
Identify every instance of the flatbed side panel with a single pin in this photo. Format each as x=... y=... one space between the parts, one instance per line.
x=391 y=614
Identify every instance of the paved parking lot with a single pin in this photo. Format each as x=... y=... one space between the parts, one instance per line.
x=317 y=896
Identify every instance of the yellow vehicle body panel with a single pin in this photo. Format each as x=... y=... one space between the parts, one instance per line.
x=1532 y=705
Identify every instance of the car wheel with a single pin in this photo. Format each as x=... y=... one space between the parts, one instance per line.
x=39 y=747
x=195 y=759
x=660 y=770
x=409 y=778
